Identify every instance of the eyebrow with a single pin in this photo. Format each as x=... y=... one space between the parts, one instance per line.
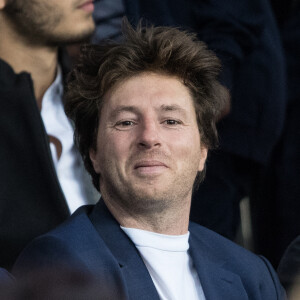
x=123 y=108
x=133 y=109
x=173 y=107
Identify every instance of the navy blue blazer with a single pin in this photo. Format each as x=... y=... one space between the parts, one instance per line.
x=5 y=277
x=92 y=241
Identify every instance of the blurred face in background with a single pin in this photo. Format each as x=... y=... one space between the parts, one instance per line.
x=51 y=22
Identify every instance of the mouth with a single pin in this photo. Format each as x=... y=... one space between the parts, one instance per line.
x=151 y=167
x=87 y=6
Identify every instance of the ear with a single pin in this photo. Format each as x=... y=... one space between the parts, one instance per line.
x=94 y=159
x=202 y=158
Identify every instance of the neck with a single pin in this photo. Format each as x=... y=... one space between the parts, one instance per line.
x=171 y=220
x=38 y=60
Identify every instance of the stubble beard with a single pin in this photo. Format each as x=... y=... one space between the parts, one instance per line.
x=147 y=199
x=33 y=21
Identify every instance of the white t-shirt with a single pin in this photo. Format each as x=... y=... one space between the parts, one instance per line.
x=169 y=264
x=68 y=166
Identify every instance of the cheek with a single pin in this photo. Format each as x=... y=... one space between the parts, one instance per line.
x=186 y=148
x=193 y=151
x=188 y=140
x=113 y=149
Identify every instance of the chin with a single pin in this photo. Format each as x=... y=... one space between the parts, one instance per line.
x=72 y=37
x=147 y=204
x=151 y=196
x=81 y=36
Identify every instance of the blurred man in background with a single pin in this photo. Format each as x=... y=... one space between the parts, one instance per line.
x=41 y=173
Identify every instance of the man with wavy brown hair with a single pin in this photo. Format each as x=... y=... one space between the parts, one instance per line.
x=144 y=114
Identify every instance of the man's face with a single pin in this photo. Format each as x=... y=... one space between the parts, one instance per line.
x=52 y=22
x=148 y=144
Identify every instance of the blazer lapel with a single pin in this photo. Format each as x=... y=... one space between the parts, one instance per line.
x=217 y=282
x=136 y=275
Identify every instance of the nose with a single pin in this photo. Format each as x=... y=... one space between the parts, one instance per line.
x=149 y=135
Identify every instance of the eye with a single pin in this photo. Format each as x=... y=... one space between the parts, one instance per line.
x=172 y=122
x=123 y=125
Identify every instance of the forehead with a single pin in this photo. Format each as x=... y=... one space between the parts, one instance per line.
x=149 y=89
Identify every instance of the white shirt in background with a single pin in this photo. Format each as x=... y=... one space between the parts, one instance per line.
x=169 y=264
x=69 y=166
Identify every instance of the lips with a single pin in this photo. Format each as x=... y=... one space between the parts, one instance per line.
x=149 y=168
x=88 y=6
x=149 y=164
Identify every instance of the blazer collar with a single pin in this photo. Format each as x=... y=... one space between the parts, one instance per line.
x=217 y=281
x=135 y=273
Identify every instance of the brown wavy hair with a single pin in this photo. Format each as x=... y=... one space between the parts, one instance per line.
x=163 y=50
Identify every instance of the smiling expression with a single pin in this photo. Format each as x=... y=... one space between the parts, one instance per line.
x=148 y=149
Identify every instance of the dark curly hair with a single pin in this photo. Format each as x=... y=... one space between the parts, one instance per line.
x=163 y=50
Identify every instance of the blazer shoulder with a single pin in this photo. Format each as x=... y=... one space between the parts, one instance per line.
x=224 y=250
x=256 y=273
x=74 y=245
